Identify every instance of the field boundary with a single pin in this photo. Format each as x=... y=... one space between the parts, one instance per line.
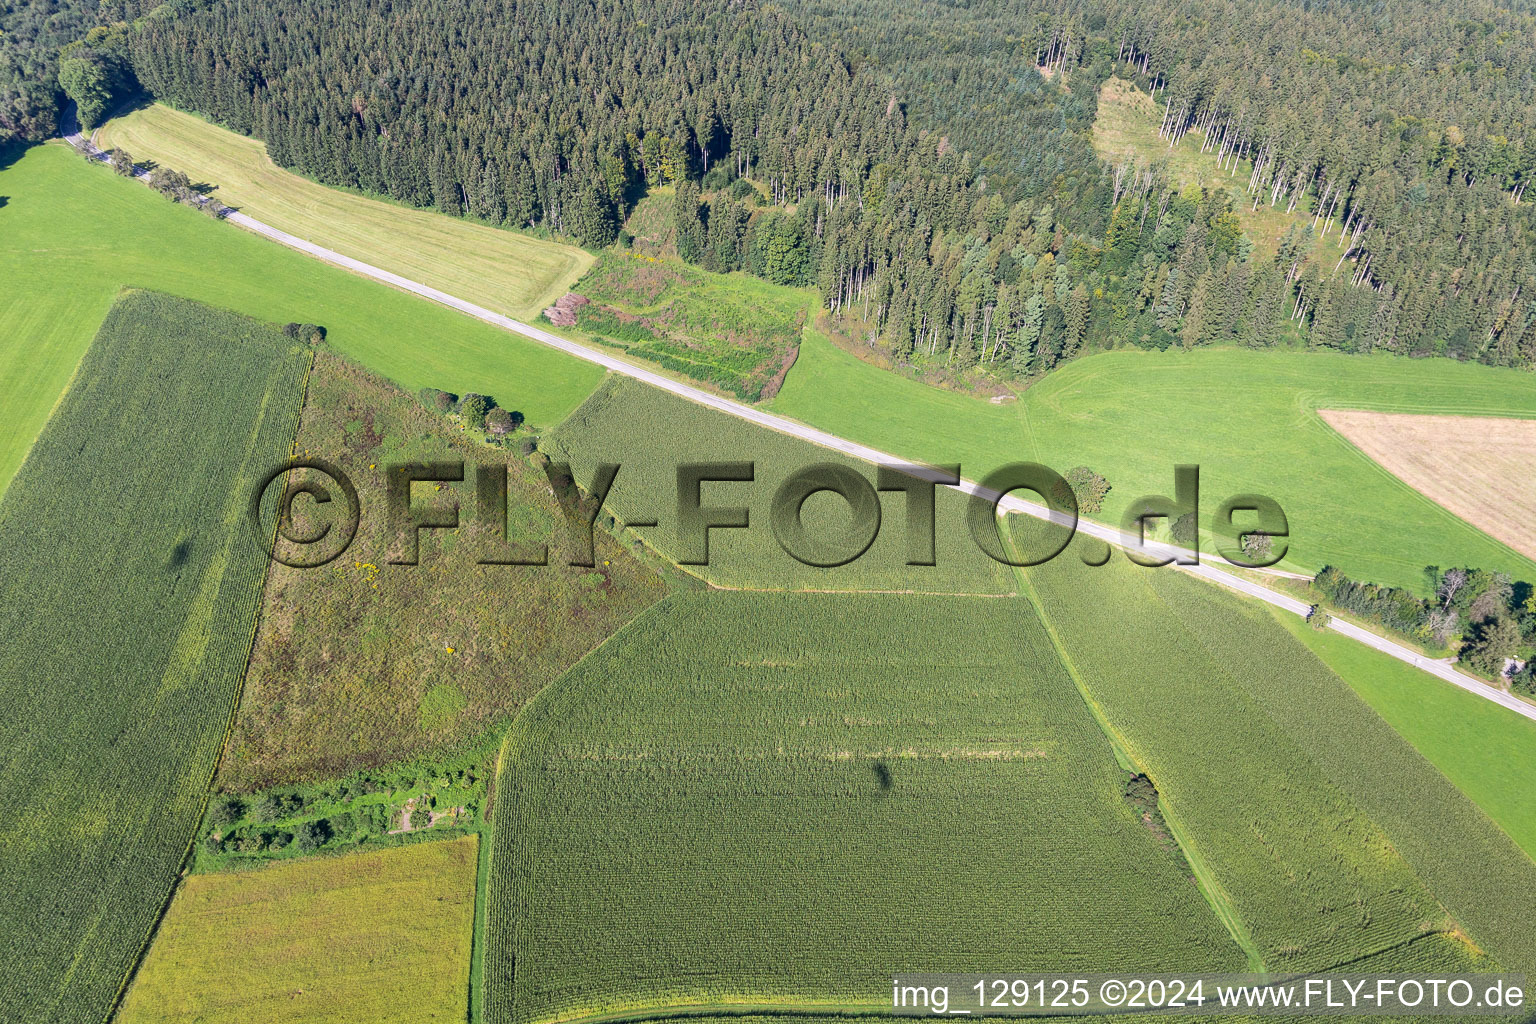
x=784 y=425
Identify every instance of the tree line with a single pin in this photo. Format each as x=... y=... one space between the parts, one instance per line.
x=931 y=172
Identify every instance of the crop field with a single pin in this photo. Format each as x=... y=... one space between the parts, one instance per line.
x=374 y=938
x=72 y=235
x=735 y=332
x=511 y=273
x=1476 y=744
x=856 y=777
x=650 y=433
x=361 y=662
x=1126 y=127
x=129 y=580
x=1248 y=419
x=1325 y=854
x=1475 y=467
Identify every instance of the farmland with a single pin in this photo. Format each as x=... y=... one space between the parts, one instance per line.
x=856 y=776
x=1476 y=744
x=1247 y=418
x=650 y=433
x=733 y=332
x=374 y=937
x=1324 y=855
x=129 y=582
x=362 y=662
x=1473 y=466
x=71 y=235
x=511 y=273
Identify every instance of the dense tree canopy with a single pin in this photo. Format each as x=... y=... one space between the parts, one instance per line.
x=927 y=167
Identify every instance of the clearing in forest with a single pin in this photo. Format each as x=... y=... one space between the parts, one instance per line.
x=773 y=798
x=372 y=938
x=1126 y=128
x=511 y=273
x=1477 y=467
x=129 y=581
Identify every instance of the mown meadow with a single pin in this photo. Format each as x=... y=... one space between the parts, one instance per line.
x=650 y=433
x=129 y=583
x=1247 y=418
x=774 y=798
x=509 y=272
x=72 y=234
x=1329 y=836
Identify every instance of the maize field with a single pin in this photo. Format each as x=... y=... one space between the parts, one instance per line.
x=129 y=580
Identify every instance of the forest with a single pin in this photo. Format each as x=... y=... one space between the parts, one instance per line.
x=928 y=168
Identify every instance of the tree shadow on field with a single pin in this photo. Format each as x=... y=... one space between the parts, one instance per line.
x=180 y=553
x=882 y=776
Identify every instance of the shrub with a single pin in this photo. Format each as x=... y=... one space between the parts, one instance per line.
x=1258 y=546
x=498 y=423
x=474 y=408
x=437 y=401
x=528 y=445
x=1318 y=619
x=1088 y=487
x=312 y=835
x=270 y=807
x=226 y=811
x=213 y=844
x=121 y=162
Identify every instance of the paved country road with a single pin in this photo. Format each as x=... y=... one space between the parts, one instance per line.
x=1008 y=503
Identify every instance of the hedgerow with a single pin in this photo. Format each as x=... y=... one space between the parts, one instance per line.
x=129 y=580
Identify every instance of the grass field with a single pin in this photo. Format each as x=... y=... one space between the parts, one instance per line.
x=362 y=662
x=129 y=581
x=1476 y=467
x=778 y=798
x=71 y=235
x=732 y=331
x=1126 y=127
x=1481 y=747
x=1329 y=834
x=1248 y=419
x=372 y=938
x=502 y=270
x=650 y=433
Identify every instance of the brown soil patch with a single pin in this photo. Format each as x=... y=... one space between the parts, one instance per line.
x=1481 y=468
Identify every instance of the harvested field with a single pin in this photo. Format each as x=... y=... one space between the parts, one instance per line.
x=1477 y=467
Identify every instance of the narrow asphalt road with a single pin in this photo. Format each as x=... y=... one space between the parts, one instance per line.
x=1008 y=503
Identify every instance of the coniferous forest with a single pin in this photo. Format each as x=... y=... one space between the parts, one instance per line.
x=927 y=167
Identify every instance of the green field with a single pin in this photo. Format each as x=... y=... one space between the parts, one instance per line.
x=649 y=433
x=362 y=662
x=1248 y=419
x=1329 y=835
x=1481 y=747
x=509 y=272
x=129 y=582
x=776 y=798
x=369 y=939
x=71 y=235
x=732 y=331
